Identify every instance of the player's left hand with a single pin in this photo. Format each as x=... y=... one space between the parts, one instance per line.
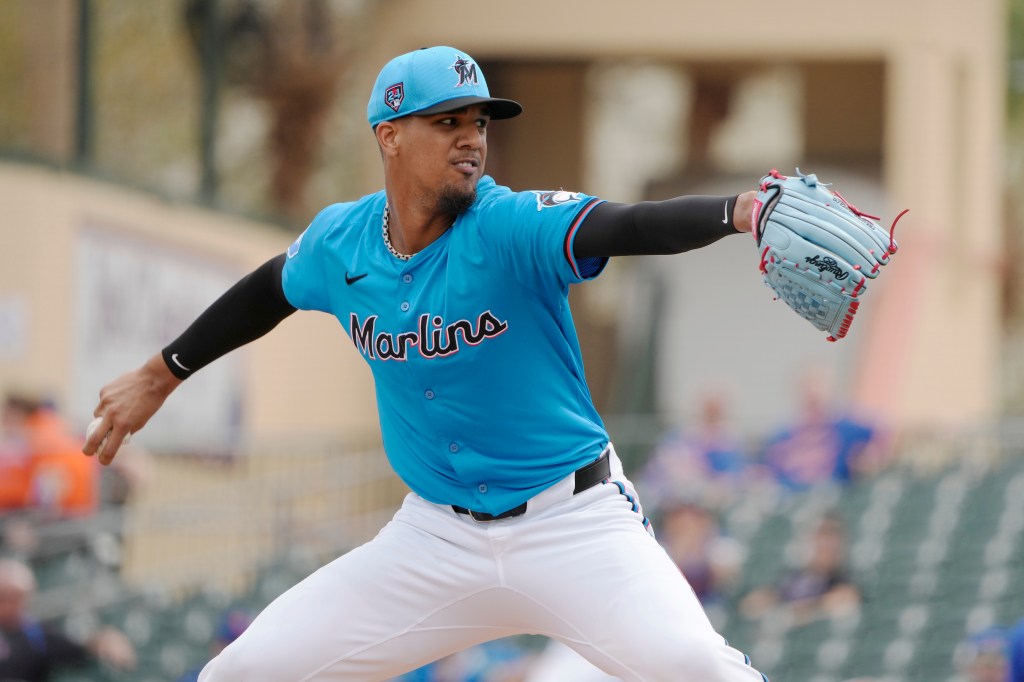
x=817 y=249
x=126 y=405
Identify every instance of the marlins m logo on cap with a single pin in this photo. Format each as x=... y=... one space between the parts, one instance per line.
x=466 y=70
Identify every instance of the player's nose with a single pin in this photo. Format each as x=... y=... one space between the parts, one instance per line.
x=470 y=139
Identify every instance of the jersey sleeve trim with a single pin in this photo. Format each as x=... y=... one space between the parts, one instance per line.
x=589 y=267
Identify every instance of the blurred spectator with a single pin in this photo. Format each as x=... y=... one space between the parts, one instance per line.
x=824 y=444
x=61 y=481
x=44 y=476
x=984 y=656
x=710 y=560
x=820 y=588
x=15 y=456
x=30 y=651
x=232 y=624
x=704 y=458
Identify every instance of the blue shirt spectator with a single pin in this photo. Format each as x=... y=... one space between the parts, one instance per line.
x=824 y=444
x=704 y=460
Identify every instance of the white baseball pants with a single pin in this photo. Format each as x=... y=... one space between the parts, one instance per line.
x=582 y=569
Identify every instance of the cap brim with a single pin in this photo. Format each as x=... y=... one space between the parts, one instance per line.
x=498 y=108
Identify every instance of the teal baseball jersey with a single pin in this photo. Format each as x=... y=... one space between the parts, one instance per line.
x=481 y=392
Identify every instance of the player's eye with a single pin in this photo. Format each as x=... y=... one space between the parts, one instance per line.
x=481 y=123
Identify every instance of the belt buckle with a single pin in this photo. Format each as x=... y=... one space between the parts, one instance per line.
x=481 y=517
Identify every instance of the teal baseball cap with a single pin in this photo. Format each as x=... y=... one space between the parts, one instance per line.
x=432 y=80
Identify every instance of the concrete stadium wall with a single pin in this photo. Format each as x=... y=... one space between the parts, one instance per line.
x=303 y=380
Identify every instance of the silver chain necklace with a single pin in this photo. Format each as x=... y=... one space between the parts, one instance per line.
x=387 y=238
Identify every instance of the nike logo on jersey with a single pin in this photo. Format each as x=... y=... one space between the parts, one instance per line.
x=352 y=280
x=175 y=360
x=725 y=211
x=432 y=339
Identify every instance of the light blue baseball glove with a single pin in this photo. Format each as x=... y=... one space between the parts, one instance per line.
x=817 y=250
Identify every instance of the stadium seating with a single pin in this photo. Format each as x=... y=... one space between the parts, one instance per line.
x=937 y=555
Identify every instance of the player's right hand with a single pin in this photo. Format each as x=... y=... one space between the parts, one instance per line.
x=126 y=405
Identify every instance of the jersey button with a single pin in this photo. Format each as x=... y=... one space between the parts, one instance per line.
x=428 y=394
x=482 y=487
x=404 y=306
x=407 y=278
x=453 y=447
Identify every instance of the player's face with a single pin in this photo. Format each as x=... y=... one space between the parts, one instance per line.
x=446 y=155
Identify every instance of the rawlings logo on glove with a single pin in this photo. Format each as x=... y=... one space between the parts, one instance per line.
x=817 y=249
x=827 y=264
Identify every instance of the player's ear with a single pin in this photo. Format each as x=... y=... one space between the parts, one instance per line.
x=387 y=136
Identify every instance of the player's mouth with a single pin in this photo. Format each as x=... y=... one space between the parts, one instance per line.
x=467 y=166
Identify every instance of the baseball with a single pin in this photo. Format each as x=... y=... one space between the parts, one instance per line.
x=95 y=424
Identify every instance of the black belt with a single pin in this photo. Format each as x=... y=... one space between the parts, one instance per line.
x=587 y=476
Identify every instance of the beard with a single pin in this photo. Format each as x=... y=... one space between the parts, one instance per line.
x=455 y=201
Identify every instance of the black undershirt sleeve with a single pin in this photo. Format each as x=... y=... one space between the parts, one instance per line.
x=654 y=227
x=256 y=304
x=245 y=312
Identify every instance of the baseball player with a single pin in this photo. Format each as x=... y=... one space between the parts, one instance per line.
x=454 y=290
